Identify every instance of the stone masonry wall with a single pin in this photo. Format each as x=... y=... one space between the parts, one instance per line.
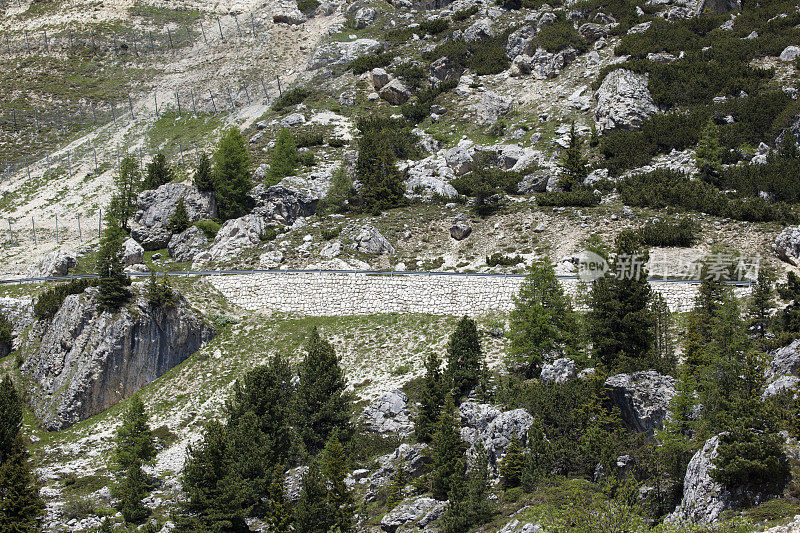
x=332 y=293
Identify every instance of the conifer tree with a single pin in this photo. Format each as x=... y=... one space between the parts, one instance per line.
x=431 y=399
x=113 y=283
x=179 y=221
x=512 y=464
x=135 y=447
x=283 y=156
x=216 y=495
x=5 y=335
x=232 y=179
x=381 y=183
x=464 y=357
x=708 y=155
x=710 y=297
x=128 y=181
x=311 y=513
x=542 y=319
x=159 y=172
x=761 y=304
x=204 y=176
x=333 y=466
x=538 y=456
x=468 y=506
x=322 y=402
x=789 y=317
x=20 y=504
x=664 y=359
x=279 y=514
x=621 y=321
x=448 y=452
x=573 y=165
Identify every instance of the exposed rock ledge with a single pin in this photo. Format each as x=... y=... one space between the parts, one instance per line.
x=89 y=361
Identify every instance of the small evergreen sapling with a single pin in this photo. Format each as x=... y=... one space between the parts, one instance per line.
x=179 y=221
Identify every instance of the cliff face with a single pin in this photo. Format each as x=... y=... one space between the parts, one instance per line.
x=88 y=361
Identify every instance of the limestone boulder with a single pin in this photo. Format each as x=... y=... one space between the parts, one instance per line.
x=341 y=53
x=368 y=239
x=787 y=245
x=494 y=428
x=395 y=92
x=388 y=414
x=790 y=53
x=413 y=510
x=542 y=64
x=132 y=252
x=283 y=204
x=784 y=361
x=642 y=398
x=89 y=360
x=56 y=263
x=183 y=247
x=460 y=158
x=156 y=207
x=379 y=78
x=623 y=101
x=460 y=231
x=491 y=107
x=364 y=17
x=414 y=458
x=289 y=15
x=479 y=30
x=559 y=371
x=234 y=236
x=784 y=384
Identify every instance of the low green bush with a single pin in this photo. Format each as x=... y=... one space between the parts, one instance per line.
x=5 y=335
x=269 y=233
x=306 y=158
x=209 y=227
x=337 y=142
x=683 y=233
x=367 y=62
x=773 y=510
x=413 y=74
x=49 y=302
x=307 y=6
x=581 y=197
x=291 y=97
x=304 y=139
x=499 y=259
x=464 y=14
x=330 y=233
x=561 y=35
x=434 y=27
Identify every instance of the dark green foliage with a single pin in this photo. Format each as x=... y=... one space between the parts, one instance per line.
x=663 y=352
x=682 y=232
x=339 y=193
x=760 y=306
x=572 y=164
x=112 y=281
x=464 y=357
x=751 y=457
x=542 y=319
x=498 y=259
x=434 y=27
x=483 y=57
x=432 y=397
x=620 y=319
x=779 y=177
x=538 y=457
x=662 y=188
x=304 y=139
x=308 y=6
x=159 y=293
x=135 y=447
x=789 y=316
x=215 y=492
x=708 y=303
x=367 y=62
x=773 y=510
x=289 y=98
x=381 y=183
x=306 y=158
x=486 y=182
x=159 y=172
x=49 y=302
x=283 y=156
x=513 y=464
x=179 y=221
x=5 y=335
x=20 y=505
x=581 y=197
x=468 y=505
x=708 y=155
x=419 y=108
x=204 y=176
x=328 y=234
x=561 y=35
x=412 y=73
x=130 y=492
x=279 y=513
x=312 y=512
x=232 y=175
x=448 y=453
x=209 y=227
x=464 y=14
x=322 y=403
x=123 y=201
x=333 y=466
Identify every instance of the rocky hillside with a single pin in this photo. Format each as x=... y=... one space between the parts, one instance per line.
x=481 y=137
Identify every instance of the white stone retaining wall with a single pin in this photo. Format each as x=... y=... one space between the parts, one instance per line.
x=338 y=293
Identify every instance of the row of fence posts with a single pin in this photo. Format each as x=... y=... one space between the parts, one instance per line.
x=134 y=40
x=37 y=239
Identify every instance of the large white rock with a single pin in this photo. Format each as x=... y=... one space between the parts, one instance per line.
x=132 y=252
x=787 y=245
x=784 y=361
x=494 y=428
x=389 y=414
x=623 y=101
x=156 y=207
x=491 y=107
x=642 y=398
x=341 y=53
x=790 y=53
x=56 y=263
x=559 y=371
x=413 y=510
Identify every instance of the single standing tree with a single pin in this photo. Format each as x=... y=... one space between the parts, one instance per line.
x=542 y=320
x=5 y=336
x=113 y=283
x=123 y=202
x=333 y=466
x=20 y=504
x=572 y=164
x=431 y=399
x=448 y=452
x=279 y=513
x=312 y=514
x=135 y=447
x=203 y=176
x=708 y=155
x=159 y=172
x=283 y=156
x=381 y=183
x=512 y=464
x=468 y=506
x=322 y=402
x=761 y=303
x=179 y=221
x=464 y=357
x=664 y=359
x=232 y=179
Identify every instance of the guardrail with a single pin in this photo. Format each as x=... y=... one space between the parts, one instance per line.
x=306 y=271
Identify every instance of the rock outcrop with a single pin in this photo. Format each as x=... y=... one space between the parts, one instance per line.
x=787 y=245
x=642 y=398
x=56 y=263
x=494 y=428
x=784 y=361
x=491 y=107
x=559 y=371
x=340 y=54
x=395 y=92
x=132 y=252
x=155 y=208
x=234 y=236
x=183 y=247
x=414 y=459
x=623 y=101
x=368 y=239
x=421 y=510
x=88 y=361
x=389 y=414
x=282 y=204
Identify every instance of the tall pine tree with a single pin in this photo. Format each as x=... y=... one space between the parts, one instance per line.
x=464 y=357
x=135 y=447
x=204 y=176
x=232 y=175
x=322 y=402
x=381 y=183
x=312 y=514
x=159 y=172
x=431 y=398
x=448 y=452
x=573 y=165
x=113 y=283
x=333 y=466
